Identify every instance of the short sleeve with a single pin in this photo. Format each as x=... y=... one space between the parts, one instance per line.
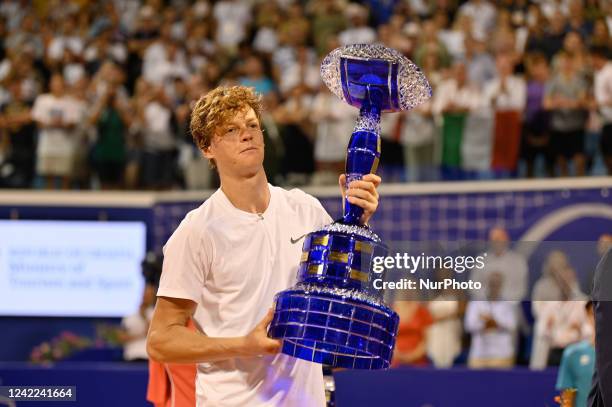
x=184 y=268
x=425 y=317
x=38 y=110
x=550 y=88
x=564 y=378
x=323 y=217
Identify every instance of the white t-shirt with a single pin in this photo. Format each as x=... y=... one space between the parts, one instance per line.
x=496 y=343
x=603 y=92
x=232 y=18
x=232 y=263
x=56 y=141
x=333 y=133
x=513 y=97
x=514 y=270
x=136 y=327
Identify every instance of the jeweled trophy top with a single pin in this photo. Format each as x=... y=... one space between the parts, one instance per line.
x=353 y=71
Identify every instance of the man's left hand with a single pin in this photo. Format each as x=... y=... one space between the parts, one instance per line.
x=362 y=193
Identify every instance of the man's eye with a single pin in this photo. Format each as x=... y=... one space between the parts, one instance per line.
x=231 y=130
x=254 y=126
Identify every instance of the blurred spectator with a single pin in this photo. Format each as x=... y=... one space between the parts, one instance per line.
x=493 y=324
x=455 y=99
x=574 y=46
x=163 y=59
x=255 y=77
x=454 y=37
x=578 y=362
x=232 y=18
x=502 y=260
x=136 y=325
x=603 y=99
x=480 y=64
x=576 y=18
x=557 y=308
x=17 y=141
x=447 y=309
x=411 y=340
x=558 y=281
x=418 y=137
x=56 y=116
x=559 y=324
x=335 y=121
x=358 y=32
x=565 y=96
x=553 y=37
x=506 y=96
x=505 y=92
x=111 y=117
x=328 y=21
x=157 y=164
x=430 y=43
x=601 y=34
x=482 y=14
x=292 y=118
x=391 y=36
x=537 y=41
x=536 y=136
x=268 y=20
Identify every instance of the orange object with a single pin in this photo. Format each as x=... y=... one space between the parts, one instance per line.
x=412 y=332
x=172 y=384
x=507 y=140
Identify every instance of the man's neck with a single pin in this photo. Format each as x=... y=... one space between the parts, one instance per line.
x=249 y=194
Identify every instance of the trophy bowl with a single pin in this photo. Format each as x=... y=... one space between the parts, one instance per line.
x=333 y=315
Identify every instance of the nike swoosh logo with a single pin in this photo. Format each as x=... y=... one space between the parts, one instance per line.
x=294 y=241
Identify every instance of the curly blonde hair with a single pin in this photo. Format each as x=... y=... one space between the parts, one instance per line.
x=217 y=107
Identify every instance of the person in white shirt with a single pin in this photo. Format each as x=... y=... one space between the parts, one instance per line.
x=483 y=15
x=232 y=19
x=558 y=309
x=603 y=99
x=56 y=115
x=359 y=32
x=500 y=259
x=335 y=121
x=505 y=92
x=493 y=324
x=227 y=260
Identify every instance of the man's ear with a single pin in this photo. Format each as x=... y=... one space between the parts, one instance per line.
x=207 y=153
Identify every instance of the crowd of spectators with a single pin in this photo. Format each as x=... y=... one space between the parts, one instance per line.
x=519 y=316
x=98 y=94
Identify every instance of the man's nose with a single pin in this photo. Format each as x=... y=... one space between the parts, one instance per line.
x=245 y=135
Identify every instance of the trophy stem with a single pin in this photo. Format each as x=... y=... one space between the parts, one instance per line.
x=362 y=155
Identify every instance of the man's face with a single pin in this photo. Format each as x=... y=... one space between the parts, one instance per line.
x=237 y=146
x=57 y=85
x=499 y=240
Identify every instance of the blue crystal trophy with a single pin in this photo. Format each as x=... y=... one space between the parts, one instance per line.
x=333 y=315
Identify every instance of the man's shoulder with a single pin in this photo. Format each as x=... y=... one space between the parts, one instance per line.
x=577 y=349
x=45 y=98
x=206 y=214
x=607 y=69
x=297 y=197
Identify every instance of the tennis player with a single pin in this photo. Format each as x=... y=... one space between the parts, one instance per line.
x=229 y=257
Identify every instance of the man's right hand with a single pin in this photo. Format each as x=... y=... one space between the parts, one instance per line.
x=258 y=343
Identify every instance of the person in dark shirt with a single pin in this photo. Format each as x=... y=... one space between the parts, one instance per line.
x=601 y=392
x=18 y=141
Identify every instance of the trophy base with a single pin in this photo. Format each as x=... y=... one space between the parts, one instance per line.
x=319 y=325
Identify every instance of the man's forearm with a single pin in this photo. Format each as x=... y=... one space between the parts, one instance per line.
x=179 y=344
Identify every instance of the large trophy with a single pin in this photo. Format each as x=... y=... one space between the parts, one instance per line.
x=333 y=315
